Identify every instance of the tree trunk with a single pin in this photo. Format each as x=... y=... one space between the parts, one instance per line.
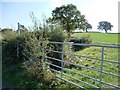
x=105 y=31
x=69 y=35
x=68 y=31
x=86 y=30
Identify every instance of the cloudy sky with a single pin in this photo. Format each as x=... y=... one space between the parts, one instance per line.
x=94 y=10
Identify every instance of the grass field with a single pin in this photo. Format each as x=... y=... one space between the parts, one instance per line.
x=101 y=38
x=95 y=52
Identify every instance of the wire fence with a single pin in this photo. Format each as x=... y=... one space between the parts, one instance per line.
x=100 y=72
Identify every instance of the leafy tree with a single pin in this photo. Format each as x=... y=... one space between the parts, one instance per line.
x=88 y=26
x=68 y=17
x=104 y=25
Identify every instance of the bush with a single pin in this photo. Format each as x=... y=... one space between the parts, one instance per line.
x=36 y=70
x=55 y=35
x=35 y=73
x=31 y=47
x=9 y=47
x=39 y=74
x=81 y=40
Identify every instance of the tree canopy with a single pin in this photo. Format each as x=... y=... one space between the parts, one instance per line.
x=104 y=25
x=68 y=17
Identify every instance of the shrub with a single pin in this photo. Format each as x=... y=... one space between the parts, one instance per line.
x=55 y=35
x=8 y=34
x=9 y=47
x=81 y=40
x=38 y=72
x=31 y=47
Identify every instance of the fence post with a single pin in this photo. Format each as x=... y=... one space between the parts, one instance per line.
x=43 y=49
x=62 y=62
x=101 y=66
x=18 y=51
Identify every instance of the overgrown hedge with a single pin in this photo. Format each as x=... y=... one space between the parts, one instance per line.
x=9 y=47
x=29 y=47
x=31 y=63
x=33 y=71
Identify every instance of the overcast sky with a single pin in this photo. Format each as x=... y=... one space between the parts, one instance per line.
x=94 y=10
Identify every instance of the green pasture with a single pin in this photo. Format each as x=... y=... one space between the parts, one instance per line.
x=101 y=38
